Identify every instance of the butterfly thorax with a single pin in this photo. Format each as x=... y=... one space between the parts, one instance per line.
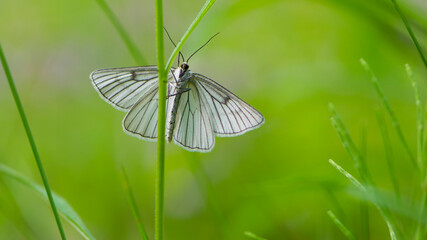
x=181 y=77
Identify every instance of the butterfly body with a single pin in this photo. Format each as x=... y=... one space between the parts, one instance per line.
x=181 y=76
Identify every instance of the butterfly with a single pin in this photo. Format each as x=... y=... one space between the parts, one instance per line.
x=197 y=107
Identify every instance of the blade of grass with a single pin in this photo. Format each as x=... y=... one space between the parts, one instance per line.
x=132 y=203
x=411 y=33
x=160 y=164
x=349 y=145
x=31 y=140
x=341 y=226
x=420 y=231
x=11 y=210
x=364 y=208
x=420 y=120
x=136 y=54
x=187 y=34
x=67 y=211
x=392 y=227
x=388 y=153
x=208 y=189
x=390 y=112
x=254 y=236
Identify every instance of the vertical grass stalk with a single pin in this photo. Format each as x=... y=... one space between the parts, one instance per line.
x=160 y=166
x=31 y=140
x=420 y=231
x=163 y=72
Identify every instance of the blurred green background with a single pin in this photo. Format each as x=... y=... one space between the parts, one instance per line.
x=287 y=58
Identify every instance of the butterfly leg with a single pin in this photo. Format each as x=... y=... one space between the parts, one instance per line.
x=181 y=92
x=176 y=81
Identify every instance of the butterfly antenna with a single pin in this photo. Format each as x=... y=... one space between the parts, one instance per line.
x=180 y=54
x=202 y=46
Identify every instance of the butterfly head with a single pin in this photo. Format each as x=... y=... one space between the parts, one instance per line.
x=184 y=66
x=183 y=69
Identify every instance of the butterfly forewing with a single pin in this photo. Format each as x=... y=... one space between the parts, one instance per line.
x=123 y=87
x=229 y=114
x=193 y=129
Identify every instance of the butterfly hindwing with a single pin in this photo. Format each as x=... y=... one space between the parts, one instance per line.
x=193 y=128
x=230 y=115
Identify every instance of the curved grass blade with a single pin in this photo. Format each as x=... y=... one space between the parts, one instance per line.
x=341 y=226
x=136 y=54
x=187 y=34
x=411 y=33
x=31 y=140
x=390 y=112
x=63 y=206
x=132 y=203
x=371 y=193
x=254 y=236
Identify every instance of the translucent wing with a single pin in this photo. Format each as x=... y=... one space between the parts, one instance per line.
x=193 y=129
x=142 y=119
x=230 y=115
x=123 y=87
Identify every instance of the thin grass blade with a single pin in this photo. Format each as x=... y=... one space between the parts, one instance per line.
x=390 y=112
x=411 y=33
x=187 y=34
x=371 y=193
x=388 y=152
x=341 y=226
x=64 y=207
x=31 y=141
x=132 y=203
x=254 y=236
x=136 y=54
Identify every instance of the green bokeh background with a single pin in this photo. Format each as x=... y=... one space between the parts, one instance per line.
x=287 y=58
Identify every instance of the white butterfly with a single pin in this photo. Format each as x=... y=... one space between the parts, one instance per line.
x=197 y=107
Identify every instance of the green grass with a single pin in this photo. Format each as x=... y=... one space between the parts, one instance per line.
x=392 y=215
x=31 y=140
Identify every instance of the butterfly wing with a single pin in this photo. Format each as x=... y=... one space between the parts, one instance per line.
x=230 y=115
x=133 y=89
x=123 y=87
x=193 y=128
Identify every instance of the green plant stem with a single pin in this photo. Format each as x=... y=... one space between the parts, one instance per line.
x=132 y=203
x=163 y=72
x=190 y=29
x=411 y=33
x=31 y=140
x=160 y=166
x=136 y=54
